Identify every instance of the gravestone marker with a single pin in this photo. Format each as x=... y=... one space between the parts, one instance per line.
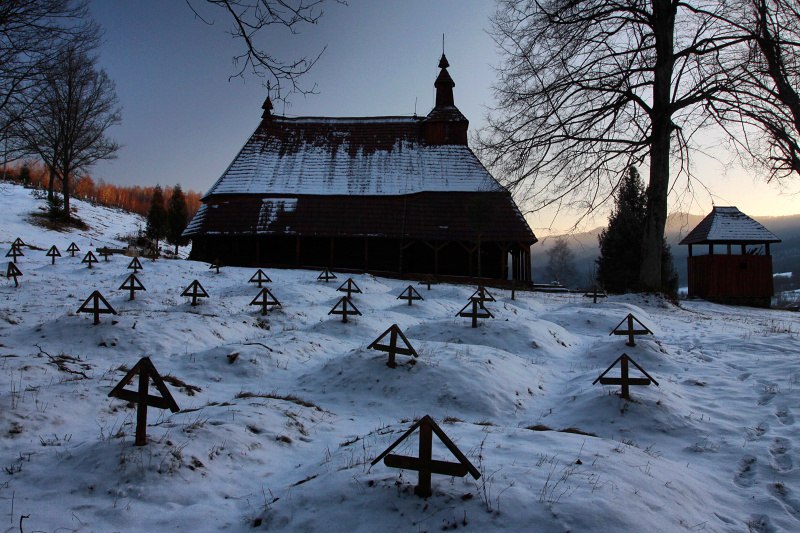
x=259 y=277
x=89 y=258
x=14 y=252
x=631 y=330
x=349 y=287
x=99 y=306
x=429 y=280
x=478 y=311
x=73 y=248
x=344 y=307
x=195 y=291
x=625 y=380
x=104 y=252
x=146 y=371
x=13 y=272
x=326 y=276
x=265 y=299
x=53 y=253
x=392 y=348
x=483 y=294
x=410 y=294
x=216 y=264
x=132 y=284
x=135 y=265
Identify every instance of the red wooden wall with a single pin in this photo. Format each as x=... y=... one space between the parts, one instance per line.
x=747 y=276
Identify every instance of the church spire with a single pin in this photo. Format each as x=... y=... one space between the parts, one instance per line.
x=444 y=85
x=267 y=105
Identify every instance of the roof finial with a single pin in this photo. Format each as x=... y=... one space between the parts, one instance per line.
x=267 y=105
x=443 y=61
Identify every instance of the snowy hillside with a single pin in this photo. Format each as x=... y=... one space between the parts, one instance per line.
x=282 y=414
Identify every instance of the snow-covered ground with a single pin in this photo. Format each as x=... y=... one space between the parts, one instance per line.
x=280 y=437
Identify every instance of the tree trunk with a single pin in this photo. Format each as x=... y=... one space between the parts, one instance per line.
x=661 y=119
x=51 y=185
x=65 y=193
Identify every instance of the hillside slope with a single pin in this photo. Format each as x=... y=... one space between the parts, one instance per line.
x=282 y=414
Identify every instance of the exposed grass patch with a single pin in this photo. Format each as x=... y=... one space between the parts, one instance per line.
x=274 y=396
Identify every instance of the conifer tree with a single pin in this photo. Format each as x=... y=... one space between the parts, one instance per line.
x=157 y=224
x=619 y=264
x=177 y=218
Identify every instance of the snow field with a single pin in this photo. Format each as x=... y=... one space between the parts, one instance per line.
x=281 y=415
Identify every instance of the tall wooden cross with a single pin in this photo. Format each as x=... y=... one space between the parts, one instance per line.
x=259 y=277
x=13 y=272
x=73 y=248
x=410 y=294
x=625 y=380
x=631 y=331
x=15 y=252
x=89 y=258
x=392 y=348
x=97 y=309
x=326 y=275
x=132 y=284
x=478 y=311
x=265 y=298
x=344 y=307
x=424 y=464
x=146 y=371
x=349 y=287
x=53 y=253
x=135 y=265
x=195 y=291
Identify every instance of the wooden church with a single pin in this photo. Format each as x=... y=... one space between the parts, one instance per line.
x=742 y=273
x=391 y=195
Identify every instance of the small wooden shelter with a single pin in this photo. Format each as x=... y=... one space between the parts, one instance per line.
x=742 y=274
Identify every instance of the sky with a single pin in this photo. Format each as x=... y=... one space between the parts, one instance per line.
x=184 y=120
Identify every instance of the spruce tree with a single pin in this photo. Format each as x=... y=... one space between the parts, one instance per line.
x=177 y=218
x=620 y=258
x=157 y=217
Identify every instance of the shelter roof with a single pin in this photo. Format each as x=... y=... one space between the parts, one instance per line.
x=728 y=225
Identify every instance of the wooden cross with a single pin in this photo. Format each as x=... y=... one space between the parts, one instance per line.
x=14 y=252
x=349 y=287
x=216 y=264
x=53 y=252
x=265 y=299
x=347 y=308
x=104 y=252
x=326 y=276
x=97 y=299
x=132 y=284
x=73 y=248
x=89 y=258
x=624 y=379
x=135 y=265
x=197 y=291
x=631 y=331
x=483 y=294
x=424 y=464
x=259 y=277
x=392 y=348
x=428 y=280
x=18 y=243
x=595 y=294
x=146 y=371
x=513 y=289
x=475 y=313
x=13 y=272
x=410 y=294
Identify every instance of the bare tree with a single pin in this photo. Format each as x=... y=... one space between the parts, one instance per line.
x=69 y=115
x=31 y=33
x=561 y=261
x=761 y=107
x=589 y=88
x=248 y=18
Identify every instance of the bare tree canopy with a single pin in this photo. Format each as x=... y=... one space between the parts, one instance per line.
x=588 y=88
x=561 y=262
x=761 y=108
x=31 y=33
x=248 y=18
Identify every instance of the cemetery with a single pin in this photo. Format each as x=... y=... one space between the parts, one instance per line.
x=285 y=401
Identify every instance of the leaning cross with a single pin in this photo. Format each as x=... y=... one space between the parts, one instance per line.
x=624 y=379
x=146 y=371
x=631 y=331
x=424 y=464
x=13 y=272
x=392 y=348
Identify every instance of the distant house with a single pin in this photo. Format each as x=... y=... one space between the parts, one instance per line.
x=742 y=274
x=394 y=195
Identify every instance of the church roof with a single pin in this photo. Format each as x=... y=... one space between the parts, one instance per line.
x=350 y=156
x=728 y=225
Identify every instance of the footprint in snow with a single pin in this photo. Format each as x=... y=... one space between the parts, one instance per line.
x=785 y=416
x=780 y=453
x=787 y=496
x=743 y=376
x=746 y=472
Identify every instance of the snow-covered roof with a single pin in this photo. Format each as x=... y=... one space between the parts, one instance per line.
x=350 y=156
x=729 y=225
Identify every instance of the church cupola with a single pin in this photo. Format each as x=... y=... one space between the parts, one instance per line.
x=445 y=124
x=267 y=106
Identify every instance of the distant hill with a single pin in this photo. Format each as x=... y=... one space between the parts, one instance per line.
x=786 y=255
